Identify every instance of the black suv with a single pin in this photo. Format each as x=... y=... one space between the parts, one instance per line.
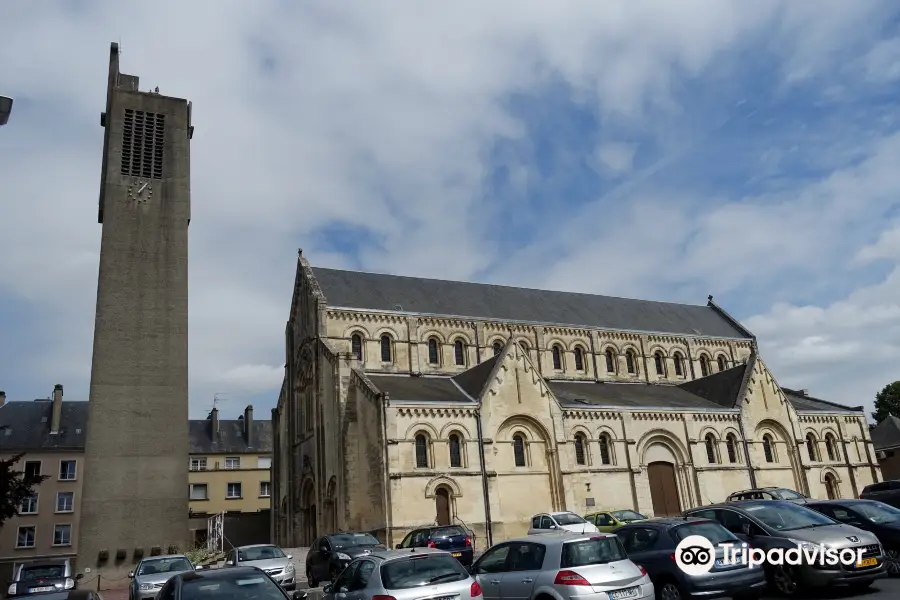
x=452 y=538
x=330 y=554
x=768 y=493
x=883 y=491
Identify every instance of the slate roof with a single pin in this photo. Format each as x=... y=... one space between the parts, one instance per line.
x=721 y=388
x=572 y=394
x=418 y=389
x=473 y=380
x=231 y=437
x=804 y=403
x=372 y=291
x=887 y=433
x=29 y=426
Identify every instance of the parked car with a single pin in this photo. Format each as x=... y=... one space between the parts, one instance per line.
x=651 y=544
x=152 y=573
x=883 y=491
x=48 y=579
x=238 y=583
x=330 y=554
x=609 y=520
x=768 y=524
x=453 y=538
x=566 y=521
x=561 y=565
x=768 y=493
x=267 y=557
x=881 y=519
x=402 y=575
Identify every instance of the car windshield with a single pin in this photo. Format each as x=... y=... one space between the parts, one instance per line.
x=42 y=572
x=628 y=515
x=784 y=494
x=714 y=532
x=257 y=587
x=349 y=540
x=876 y=512
x=595 y=551
x=260 y=553
x=421 y=570
x=568 y=519
x=786 y=516
x=164 y=565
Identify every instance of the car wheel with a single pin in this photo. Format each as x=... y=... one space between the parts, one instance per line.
x=669 y=590
x=892 y=558
x=784 y=580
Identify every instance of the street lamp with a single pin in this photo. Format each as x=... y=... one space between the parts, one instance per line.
x=5 y=108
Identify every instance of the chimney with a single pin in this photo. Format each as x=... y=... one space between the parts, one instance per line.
x=248 y=424
x=214 y=424
x=804 y=392
x=2 y=398
x=56 y=414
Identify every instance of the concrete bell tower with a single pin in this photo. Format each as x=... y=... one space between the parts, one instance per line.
x=135 y=491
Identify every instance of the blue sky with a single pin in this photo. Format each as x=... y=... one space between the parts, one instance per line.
x=657 y=150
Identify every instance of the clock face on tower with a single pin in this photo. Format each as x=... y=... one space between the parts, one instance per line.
x=140 y=190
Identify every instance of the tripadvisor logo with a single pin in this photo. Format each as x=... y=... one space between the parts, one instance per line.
x=696 y=555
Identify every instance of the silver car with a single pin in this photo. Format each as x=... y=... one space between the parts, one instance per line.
x=560 y=521
x=270 y=559
x=404 y=575
x=561 y=565
x=152 y=573
x=44 y=579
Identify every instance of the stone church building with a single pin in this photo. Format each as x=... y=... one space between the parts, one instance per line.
x=410 y=401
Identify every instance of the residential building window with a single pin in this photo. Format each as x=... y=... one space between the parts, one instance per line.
x=65 y=502
x=434 y=354
x=660 y=367
x=519 y=450
x=67 y=470
x=579 y=359
x=421 y=451
x=811 y=447
x=604 y=449
x=557 y=358
x=722 y=363
x=630 y=363
x=459 y=352
x=264 y=462
x=62 y=535
x=610 y=362
x=265 y=489
x=831 y=447
x=234 y=490
x=704 y=366
x=32 y=468
x=711 y=454
x=386 y=348
x=497 y=348
x=199 y=491
x=356 y=346
x=233 y=462
x=29 y=505
x=25 y=537
x=731 y=447
x=679 y=364
x=455 y=451
x=579 y=449
x=767 y=448
x=198 y=464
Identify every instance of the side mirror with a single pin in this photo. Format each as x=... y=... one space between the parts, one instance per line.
x=746 y=529
x=301 y=595
x=553 y=527
x=327 y=589
x=131 y=575
x=399 y=546
x=198 y=568
x=290 y=556
x=79 y=577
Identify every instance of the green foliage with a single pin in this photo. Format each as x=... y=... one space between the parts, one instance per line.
x=15 y=486
x=887 y=402
x=199 y=555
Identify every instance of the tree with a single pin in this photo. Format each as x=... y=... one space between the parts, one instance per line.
x=887 y=402
x=15 y=486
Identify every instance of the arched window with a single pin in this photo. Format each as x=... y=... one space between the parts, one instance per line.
x=579 y=359
x=455 y=451
x=768 y=450
x=722 y=364
x=610 y=362
x=811 y=447
x=704 y=366
x=711 y=449
x=386 y=348
x=658 y=359
x=604 y=449
x=557 y=358
x=421 y=451
x=831 y=486
x=831 y=447
x=731 y=447
x=524 y=347
x=433 y=351
x=356 y=346
x=519 y=450
x=579 y=449
x=459 y=352
x=630 y=362
x=497 y=348
x=679 y=364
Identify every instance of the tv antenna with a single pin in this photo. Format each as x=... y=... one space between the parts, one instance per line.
x=218 y=397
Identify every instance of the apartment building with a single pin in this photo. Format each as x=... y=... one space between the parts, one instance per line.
x=230 y=466
x=51 y=434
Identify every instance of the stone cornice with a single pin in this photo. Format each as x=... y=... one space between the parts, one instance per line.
x=436 y=411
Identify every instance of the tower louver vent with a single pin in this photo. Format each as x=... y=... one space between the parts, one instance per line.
x=143 y=136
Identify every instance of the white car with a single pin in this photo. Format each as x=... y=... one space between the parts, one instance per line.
x=560 y=521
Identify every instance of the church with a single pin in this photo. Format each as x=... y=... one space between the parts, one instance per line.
x=409 y=401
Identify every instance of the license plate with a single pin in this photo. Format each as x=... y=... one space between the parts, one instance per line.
x=457 y=554
x=49 y=588
x=624 y=594
x=867 y=562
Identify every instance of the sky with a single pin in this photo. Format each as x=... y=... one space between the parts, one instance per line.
x=658 y=150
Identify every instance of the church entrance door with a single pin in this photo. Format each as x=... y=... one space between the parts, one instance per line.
x=442 y=506
x=663 y=489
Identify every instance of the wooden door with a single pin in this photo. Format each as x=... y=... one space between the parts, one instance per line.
x=442 y=506
x=663 y=489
